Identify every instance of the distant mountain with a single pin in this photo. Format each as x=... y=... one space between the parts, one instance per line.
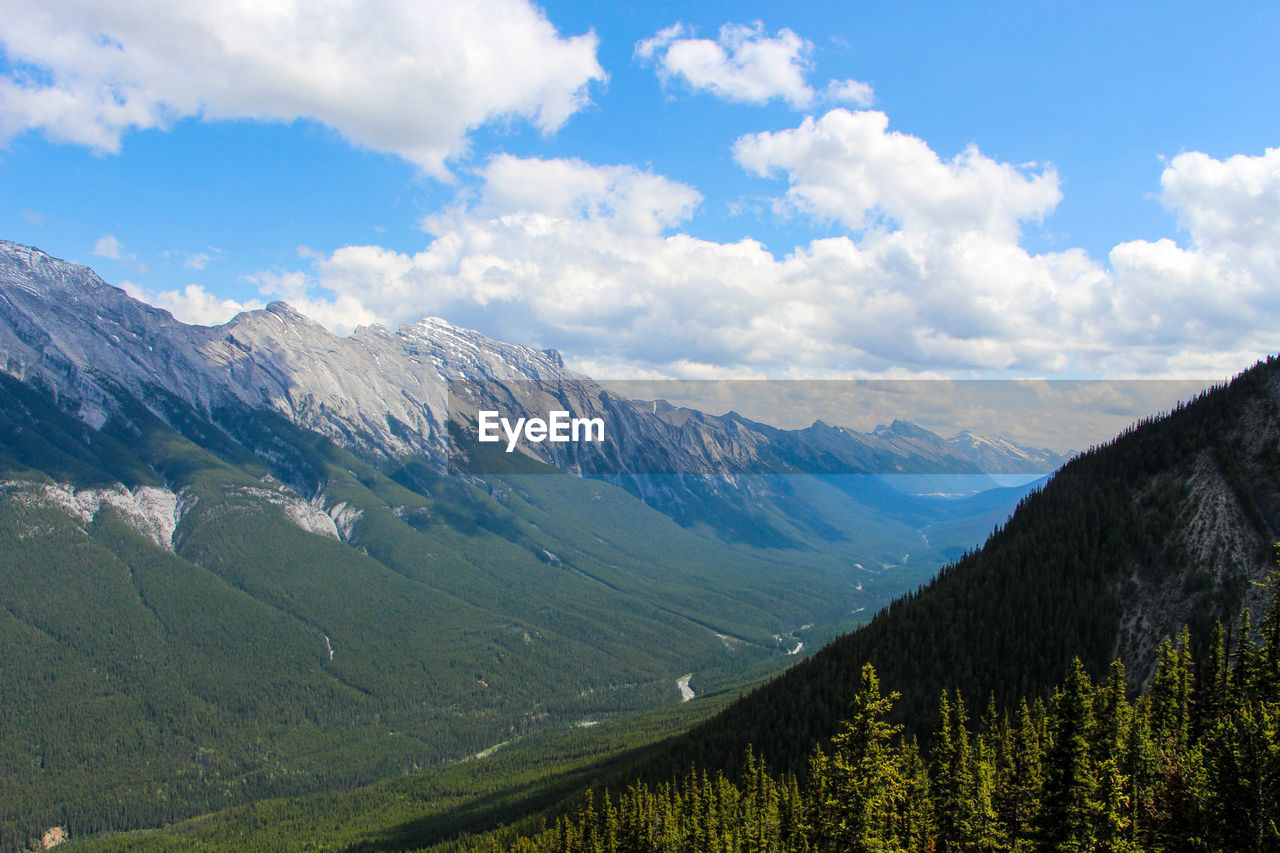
x=996 y=455
x=390 y=392
x=416 y=392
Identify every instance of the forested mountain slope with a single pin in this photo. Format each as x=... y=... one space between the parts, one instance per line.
x=1193 y=765
x=252 y=560
x=179 y=631
x=1169 y=524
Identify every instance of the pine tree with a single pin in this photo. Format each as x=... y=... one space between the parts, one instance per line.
x=1019 y=780
x=913 y=816
x=1213 y=685
x=945 y=787
x=1114 y=827
x=793 y=825
x=1244 y=674
x=988 y=832
x=1242 y=751
x=1180 y=787
x=1066 y=816
x=1169 y=695
x=864 y=783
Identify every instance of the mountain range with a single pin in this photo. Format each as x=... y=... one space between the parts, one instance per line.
x=260 y=558
x=1170 y=524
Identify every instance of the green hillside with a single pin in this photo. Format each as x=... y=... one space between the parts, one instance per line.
x=1170 y=524
x=1106 y=555
x=1193 y=765
x=231 y=643
x=256 y=658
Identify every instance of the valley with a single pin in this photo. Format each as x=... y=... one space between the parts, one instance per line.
x=236 y=572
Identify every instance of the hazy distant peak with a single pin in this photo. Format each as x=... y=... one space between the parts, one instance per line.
x=902 y=429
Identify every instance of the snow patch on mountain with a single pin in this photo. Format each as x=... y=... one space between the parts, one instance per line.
x=998 y=455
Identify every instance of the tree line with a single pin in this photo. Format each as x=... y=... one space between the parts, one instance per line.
x=1192 y=765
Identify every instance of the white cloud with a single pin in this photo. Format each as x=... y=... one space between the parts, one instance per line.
x=407 y=78
x=581 y=257
x=848 y=167
x=107 y=247
x=193 y=304
x=628 y=199
x=745 y=64
x=850 y=92
x=194 y=260
x=567 y=254
x=340 y=311
x=32 y=216
x=1224 y=291
x=1229 y=207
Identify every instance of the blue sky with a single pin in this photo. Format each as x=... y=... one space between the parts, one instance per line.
x=686 y=190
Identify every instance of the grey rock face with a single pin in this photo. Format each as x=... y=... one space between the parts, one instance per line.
x=390 y=394
x=385 y=392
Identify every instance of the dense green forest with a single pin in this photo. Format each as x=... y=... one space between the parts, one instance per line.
x=142 y=682
x=1192 y=765
x=522 y=777
x=1045 y=598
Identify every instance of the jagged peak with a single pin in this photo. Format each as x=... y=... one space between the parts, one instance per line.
x=278 y=307
x=902 y=429
x=275 y=312
x=54 y=273
x=432 y=320
x=438 y=330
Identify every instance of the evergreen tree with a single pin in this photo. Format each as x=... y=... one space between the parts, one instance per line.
x=1213 y=687
x=1114 y=826
x=1244 y=674
x=1066 y=817
x=1176 y=771
x=1019 y=780
x=913 y=818
x=988 y=832
x=864 y=785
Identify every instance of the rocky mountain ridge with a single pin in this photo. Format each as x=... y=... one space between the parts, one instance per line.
x=394 y=393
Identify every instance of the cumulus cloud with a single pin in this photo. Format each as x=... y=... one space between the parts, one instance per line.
x=193 y=304
x=1223 y=290
x=589 y=259
x=562 y=253
x=745 y=64
x=626 y=198
x=848 y=167
x=1230 y=207
x=411 y=79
